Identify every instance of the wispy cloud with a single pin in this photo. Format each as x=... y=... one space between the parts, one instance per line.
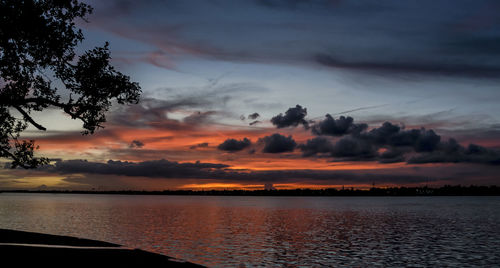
x=369 y=36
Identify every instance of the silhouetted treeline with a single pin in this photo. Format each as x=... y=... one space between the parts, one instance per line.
x=446 y=190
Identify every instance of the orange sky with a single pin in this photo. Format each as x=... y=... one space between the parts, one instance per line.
x=180 y=145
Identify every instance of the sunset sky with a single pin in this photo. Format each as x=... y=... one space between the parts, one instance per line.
x=316 y=94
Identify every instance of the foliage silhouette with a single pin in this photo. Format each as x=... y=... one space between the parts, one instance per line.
x=446 y=190
x=39 y=68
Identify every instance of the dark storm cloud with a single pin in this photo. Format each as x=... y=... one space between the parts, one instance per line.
x=233 y=145
x=442 y=37
x=337 y=127
x=293 y=117
x=136 y=144
x=452 y=152
x=354 y=149
x=253 y=116
x=393 y=155
x=315 y=146
x=169 y=169
x=365 y=145
x=421 y=140
x=391 y=143
x=155 y=169
x=277 y=143
x=349 y=148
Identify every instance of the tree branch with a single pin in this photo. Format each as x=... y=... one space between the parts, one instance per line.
x=28 y=117
x=65 y=106
x=43 y=101
x=15 y=158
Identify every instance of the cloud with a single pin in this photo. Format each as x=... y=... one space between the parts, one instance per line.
x=199 y=145
x=136 y=144
x=362 y=109
x=293 y=117
x=354 y=149
x=254 y=122
x=164 y=169
x=233 y=145
x=204 y=103
x=155 y=169
x=151 y=112
x=277 y=143
x=199 y=118
x=433 y=68
x=452 y=152
x=421 y=140
x=347 y=149
x=393 y=155
x=391 y=143
x=253 y=116
x=315 y=146
x=458 y=38
x=394 y=139
x=337 y=127
x=298 y=4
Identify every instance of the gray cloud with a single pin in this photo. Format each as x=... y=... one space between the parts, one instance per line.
x=346 y=149
x=164 y=169
x=199 y=145
x=316 y=145
x=233 y=145
x=136 y=144
x=204 y=103
x=253 y=116
x=421 y=140
x=393 y=155
x=155 y=169
x=293 y=117
x=277 y=143
x=199 y=118
x=254 y=122
x=337 y=127
x=452 y=152
x=391 y=143
x=433 y=68
x=354 y=148
x=444 y=37
x=151 y=112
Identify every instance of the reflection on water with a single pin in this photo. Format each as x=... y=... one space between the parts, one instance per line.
x=271 y=231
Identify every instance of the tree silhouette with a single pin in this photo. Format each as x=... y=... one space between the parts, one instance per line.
x=39 y=69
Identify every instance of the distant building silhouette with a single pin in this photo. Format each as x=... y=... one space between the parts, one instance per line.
x=269 y=187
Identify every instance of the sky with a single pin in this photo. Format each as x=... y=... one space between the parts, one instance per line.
x=300 y=94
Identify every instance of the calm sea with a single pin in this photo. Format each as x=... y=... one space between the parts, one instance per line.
x=275 y=231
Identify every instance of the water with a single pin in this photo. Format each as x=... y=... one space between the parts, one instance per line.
x=275 y=231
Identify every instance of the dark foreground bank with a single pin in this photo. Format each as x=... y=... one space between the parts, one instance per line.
x=26 y=249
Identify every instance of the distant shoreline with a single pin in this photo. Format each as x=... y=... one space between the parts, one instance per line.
x=447 y=190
